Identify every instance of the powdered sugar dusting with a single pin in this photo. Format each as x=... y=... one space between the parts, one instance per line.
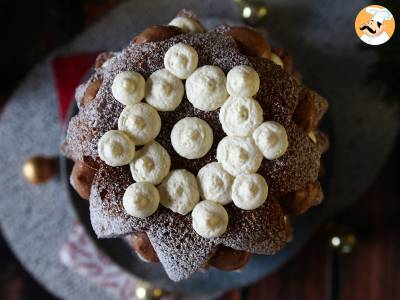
x=179 y=248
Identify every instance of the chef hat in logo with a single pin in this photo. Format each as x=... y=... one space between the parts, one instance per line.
x=379 y=14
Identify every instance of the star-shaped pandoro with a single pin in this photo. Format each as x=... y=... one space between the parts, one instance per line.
x=181 y=250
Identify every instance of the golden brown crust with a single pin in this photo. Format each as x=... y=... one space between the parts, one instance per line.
x=303 y=199
x=82 y=178
x=309 y=110
x=91 y=90
x=250 y=42
x=102 y=58
x=156 y=33
x=142 y=246
x=228 y=259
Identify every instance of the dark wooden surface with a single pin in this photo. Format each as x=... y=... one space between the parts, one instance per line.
x=370 y=272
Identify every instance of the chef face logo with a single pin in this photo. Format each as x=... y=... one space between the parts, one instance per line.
x=374 y=25
x=372 y=28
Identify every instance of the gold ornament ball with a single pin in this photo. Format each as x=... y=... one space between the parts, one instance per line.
x=254 y=14
x=144 y=291
x=39 y=169
x=157 y=293
x=344 y=242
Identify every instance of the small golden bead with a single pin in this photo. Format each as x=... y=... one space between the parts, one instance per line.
x=145 y=291
x=39 y=169
x=253 y=13
x=343 y=242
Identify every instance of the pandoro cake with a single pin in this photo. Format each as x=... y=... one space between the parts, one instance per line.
x=197 y=145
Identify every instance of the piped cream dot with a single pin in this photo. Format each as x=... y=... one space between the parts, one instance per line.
x=238 y=155
x=141 y=122
x=141 y=200
x=179 y=191
x=151 y=164
x=209 y=219
x=187 y=24
x=215 y=183
x=240 y=116
x=181 y=60
x=115 y=148
x=164 y=91
x=128 y=87
x=271 y=138
x=206 y=88
x=242 y=81
x=249 y=191
x=191 y=137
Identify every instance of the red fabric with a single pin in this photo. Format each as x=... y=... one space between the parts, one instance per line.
x=69 y=71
